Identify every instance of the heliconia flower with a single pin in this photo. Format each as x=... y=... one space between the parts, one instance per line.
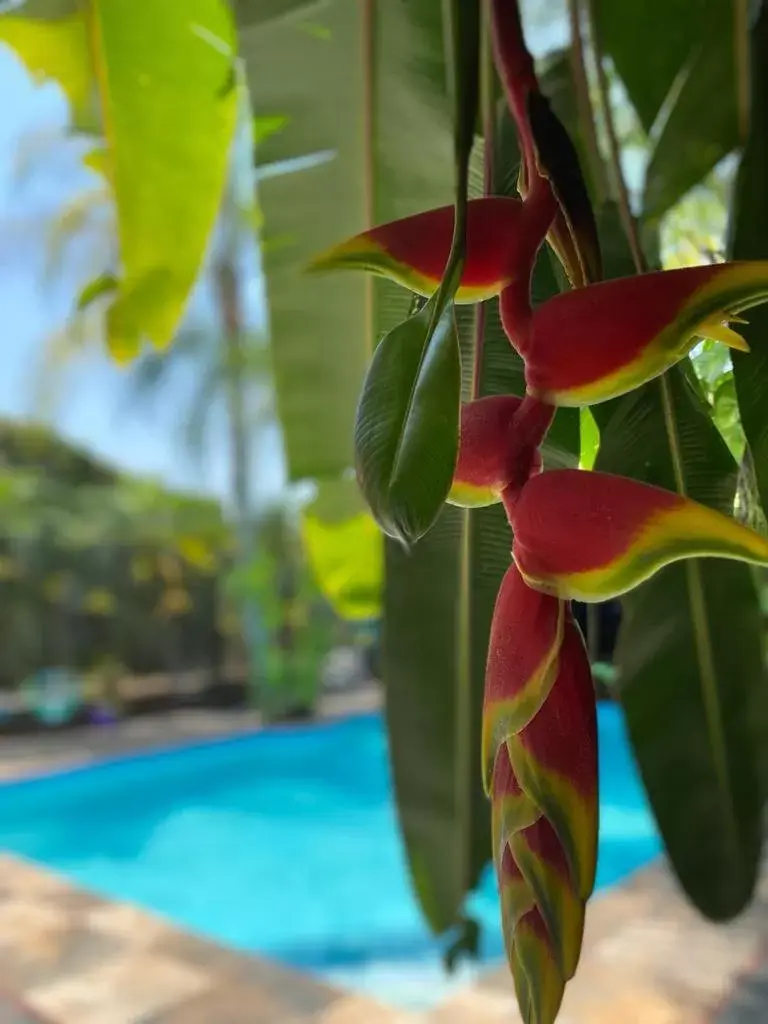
x=498 y=446
x=592 y=536
x=526 y=633
x=539 y=983
x=500 y=247
x=554 y=759
x=538 y=854
x=595 y=343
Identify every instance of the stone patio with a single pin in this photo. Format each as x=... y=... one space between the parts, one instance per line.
x=71 y=957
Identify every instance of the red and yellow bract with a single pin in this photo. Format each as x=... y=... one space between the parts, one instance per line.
x=595 y=343
x=498 y=447
x=501 y=242
x=593 y=536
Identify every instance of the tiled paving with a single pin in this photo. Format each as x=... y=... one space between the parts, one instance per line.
x=73 y=958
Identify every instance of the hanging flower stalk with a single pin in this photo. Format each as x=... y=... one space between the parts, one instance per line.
x=576 y=534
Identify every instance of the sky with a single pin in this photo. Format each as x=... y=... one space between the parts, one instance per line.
x=90 y=403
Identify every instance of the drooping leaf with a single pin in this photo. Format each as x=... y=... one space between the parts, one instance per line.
x=333 y=89
x=689 y=658
x=168 y=126
x=406 y=434
x=749 y=240
x=157 y=74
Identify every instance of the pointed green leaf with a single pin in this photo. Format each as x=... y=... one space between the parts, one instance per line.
x=407 y=430
x=160 y=72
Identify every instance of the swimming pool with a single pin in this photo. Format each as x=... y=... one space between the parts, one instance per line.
x=283 y=843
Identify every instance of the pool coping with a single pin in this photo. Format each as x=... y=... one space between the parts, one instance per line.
x=74 y=957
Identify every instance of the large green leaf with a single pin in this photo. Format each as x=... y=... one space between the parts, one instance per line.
x=366 y=116
x=702 y=124
x=689 y=656
x=749 y=240
x=649 y=42
x=163 y=79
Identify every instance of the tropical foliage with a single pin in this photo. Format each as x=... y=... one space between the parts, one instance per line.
x=366 y=116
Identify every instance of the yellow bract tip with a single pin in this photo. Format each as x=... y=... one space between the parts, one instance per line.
x=719 y=331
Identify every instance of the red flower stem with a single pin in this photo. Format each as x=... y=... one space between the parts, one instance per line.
x=517 y=74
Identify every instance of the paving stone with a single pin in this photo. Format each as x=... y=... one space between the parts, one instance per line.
x=303 y=994
x=73 y=950
x=478 y=1007
x=126 y=990
x=23 y=879
x=357 y=1010
x=136 y=927
x=30 y=930
x=241 y=1003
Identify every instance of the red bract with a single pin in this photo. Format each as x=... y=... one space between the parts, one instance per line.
x=555 y=759
x=503 y=236
x=498 y=447
x=595 y=343
x=526 y=633
x=593 y=536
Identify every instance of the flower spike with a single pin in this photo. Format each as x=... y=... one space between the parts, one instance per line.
x=414 y=251
x=595 y=343
x=592 y=536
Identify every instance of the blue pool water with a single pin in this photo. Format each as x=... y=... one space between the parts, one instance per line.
x=283 y=843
